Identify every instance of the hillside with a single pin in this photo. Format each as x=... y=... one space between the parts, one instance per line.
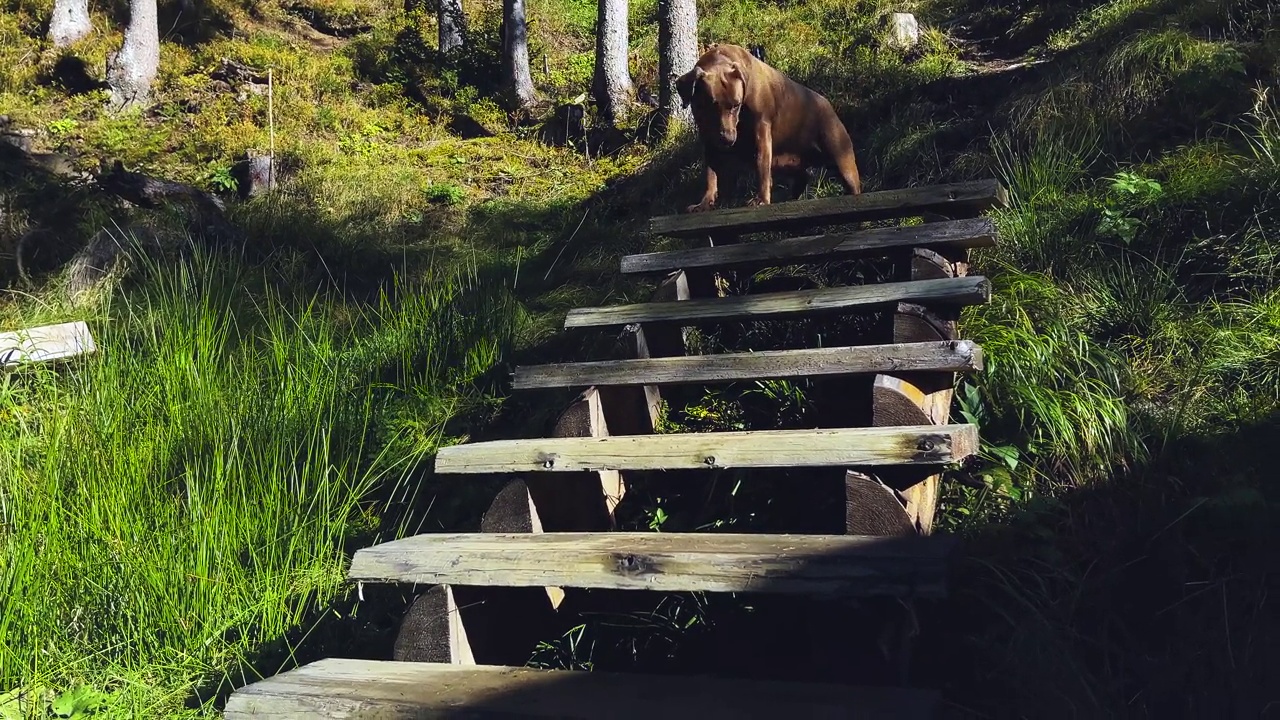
x=180 y=506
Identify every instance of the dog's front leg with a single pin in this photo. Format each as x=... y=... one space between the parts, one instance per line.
x=764 y=163
x=708 y=196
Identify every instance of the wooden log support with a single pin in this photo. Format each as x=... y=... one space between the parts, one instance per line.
x=942 y=292
x=958 y=199
x=629 y=410
x=820 y=565
x=957 y=234
x=45 y=343
x=343 y=688
x=502 y=625
x=919 y=398
x=874 y=446
x=959 y=356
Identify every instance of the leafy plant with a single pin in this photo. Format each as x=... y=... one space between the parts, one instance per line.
x=444 y=193
x=995 y=464
x=656 y=516
x=62 y=127
x=1128 y=191
x=220 y=178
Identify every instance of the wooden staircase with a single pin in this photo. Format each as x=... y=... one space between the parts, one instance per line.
x=551 y=530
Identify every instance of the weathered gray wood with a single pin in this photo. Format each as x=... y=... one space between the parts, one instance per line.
x=340 y=688
x=700 y=451
x=958 y=356
x=970 y=233
x=45 y=343
x=956 y=200
x=826 y=565
x=947 y=291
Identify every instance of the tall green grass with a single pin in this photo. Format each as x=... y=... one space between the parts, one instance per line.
x=174 y=501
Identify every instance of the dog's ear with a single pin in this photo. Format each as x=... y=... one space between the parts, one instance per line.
x=735 y=71
x=687 y=83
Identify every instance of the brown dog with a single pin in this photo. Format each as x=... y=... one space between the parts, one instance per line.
x=746 y=110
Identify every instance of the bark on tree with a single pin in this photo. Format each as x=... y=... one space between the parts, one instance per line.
x=453 y=25
x=69 y=22
x=612 y=81
x=131 y=71
x=677 y=53
x=515 y=54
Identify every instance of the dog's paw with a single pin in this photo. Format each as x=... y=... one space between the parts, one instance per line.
x=757 y=201
x=700 y=207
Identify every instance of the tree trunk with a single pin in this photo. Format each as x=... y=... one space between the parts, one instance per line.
x=69 y=22
x=612 y=82
x=453 y=25
x=515 y=54
x=677 y=53
x=131 y=71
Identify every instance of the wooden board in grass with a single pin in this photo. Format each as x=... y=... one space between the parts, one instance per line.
x=399 y=691
x=822 y=565
x=45 y=343
x=953 y=200
x=953 y=292
x=959 y=356
x=922 y=445
x=955 y=234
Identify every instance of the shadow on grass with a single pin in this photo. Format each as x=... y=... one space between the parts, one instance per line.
x=1145 y=597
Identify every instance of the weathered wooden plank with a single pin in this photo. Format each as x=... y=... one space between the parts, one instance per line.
x=826 y=565
x=340 y=688
x=969 y=233
x=958 y=356
x=45 y=343
x=930 y=445
x=954 y=200
x=946 y=291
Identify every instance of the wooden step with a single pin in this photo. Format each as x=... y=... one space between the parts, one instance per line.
x=955 y=235
x=956 y=199
x=826 y=565
x=972 y=290
x=45 y=343
x=835 y=447
x=394 y=690
x=944 y=356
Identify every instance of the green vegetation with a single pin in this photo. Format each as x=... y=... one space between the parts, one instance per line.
x=179 y=505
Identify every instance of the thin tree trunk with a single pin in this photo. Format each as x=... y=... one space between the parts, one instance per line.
x=453 y=25
x=69 y=22
x=515 y=54
x=612 y=81
x=131 y=71
x=677 y=53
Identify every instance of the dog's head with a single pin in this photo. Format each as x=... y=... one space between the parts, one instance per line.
x=716 y=97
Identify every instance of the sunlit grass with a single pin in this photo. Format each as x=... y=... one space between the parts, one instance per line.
x=173 y=501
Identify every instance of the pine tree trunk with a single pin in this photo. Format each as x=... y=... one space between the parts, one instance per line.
x=517 y=78
x=453 y=25
x=612 y=82
x=69 y=22
x=131 y=71
x=677 y=53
